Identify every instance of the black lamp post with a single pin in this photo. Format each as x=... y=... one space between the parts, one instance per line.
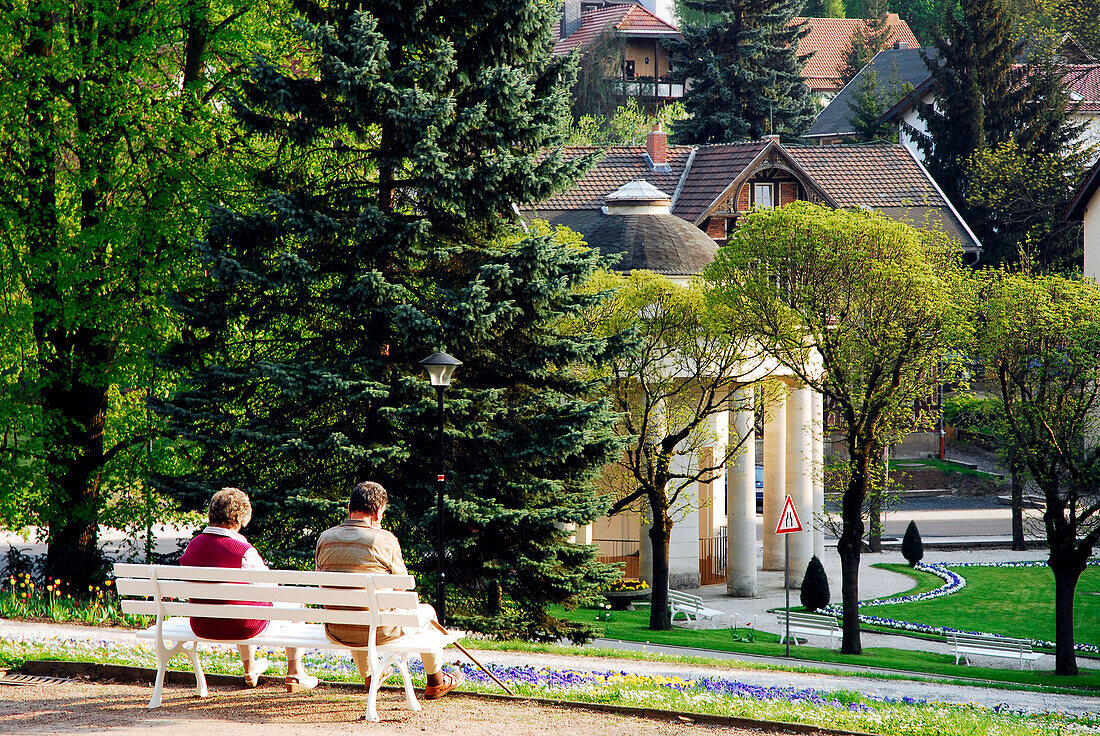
x=440 y=367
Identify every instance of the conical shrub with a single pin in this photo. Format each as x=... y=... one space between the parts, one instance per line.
x=912 y=548
x=815 y=586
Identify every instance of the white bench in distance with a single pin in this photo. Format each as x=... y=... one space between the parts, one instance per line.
x=807 y=624
x=989 y=645
x=691 y=607
x=165 y=591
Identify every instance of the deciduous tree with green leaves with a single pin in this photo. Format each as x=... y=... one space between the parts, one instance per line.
x=388 y=233
x=683 y=371
x=1040 y=335
x=112 y=141
x=880 y=304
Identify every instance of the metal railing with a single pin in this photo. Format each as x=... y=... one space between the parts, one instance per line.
x=712 y=560
x=625 y=552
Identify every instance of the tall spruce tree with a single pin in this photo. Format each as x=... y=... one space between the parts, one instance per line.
x=388 y=234
x=745 y=72
x=983 y=97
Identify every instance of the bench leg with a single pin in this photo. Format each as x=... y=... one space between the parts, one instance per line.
x=372 y=696
x=164 y=653
x=200 y=676
x=406 y=680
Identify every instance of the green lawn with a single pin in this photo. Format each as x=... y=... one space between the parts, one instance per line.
x=1013 y=601
x=633 y=626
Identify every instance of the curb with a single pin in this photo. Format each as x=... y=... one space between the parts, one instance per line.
x=127 y=673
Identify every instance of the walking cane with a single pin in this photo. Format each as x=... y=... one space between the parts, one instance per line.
x=472 y=659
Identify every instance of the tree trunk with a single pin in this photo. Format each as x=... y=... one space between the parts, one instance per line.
x=659 y=535
x=1018 y=542
x=1067 y=566
x=849 y=547
x=76 y=413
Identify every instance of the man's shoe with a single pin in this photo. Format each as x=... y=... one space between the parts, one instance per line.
x=451 y=680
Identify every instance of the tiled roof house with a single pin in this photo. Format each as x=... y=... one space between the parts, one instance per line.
x=895 y=68
x=711 y=186
x=829 y=40
x=644 y=67
x=1085 y=207
x=1082 y=80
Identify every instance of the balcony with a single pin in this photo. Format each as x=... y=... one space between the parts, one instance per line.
x=660 y=88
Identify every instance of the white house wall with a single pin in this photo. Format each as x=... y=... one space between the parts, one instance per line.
x=1092 y=237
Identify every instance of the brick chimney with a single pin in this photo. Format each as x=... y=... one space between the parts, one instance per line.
x=656 y=146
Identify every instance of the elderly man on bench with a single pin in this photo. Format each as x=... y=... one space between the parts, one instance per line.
x=361 y=545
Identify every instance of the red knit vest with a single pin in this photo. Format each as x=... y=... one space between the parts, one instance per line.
x=216 y=550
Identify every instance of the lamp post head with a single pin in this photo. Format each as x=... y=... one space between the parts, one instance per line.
x=440 y=367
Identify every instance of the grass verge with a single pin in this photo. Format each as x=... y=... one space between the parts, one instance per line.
x=714 y=695
x=633 y=626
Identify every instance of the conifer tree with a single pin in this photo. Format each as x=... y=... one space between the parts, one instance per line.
x=388 y=234
x=867 y=39
x=912 y=546
x=982 y=99
x=814 y=594
x=745 y=70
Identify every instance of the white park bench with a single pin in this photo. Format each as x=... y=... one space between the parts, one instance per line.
x=690 y=607
x=807 y=624
x=165 y=591
x=990 y=645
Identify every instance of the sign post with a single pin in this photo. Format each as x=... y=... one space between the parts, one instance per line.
x=788 y=523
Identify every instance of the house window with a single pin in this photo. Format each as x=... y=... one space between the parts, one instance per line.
x=763 y=195
x=628 y=69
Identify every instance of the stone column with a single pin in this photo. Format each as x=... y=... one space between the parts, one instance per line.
x=683 y=545
x=799 y=478
x=819 y=475
x=715 y=513
x=775 y=484
x=741 y=578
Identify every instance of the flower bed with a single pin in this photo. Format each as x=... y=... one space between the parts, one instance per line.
x=953 y=583
x=709 y=694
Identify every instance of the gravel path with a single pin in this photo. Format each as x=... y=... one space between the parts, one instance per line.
x=1027 y=701
x=81 y=708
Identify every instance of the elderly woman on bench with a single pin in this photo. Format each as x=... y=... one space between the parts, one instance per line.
x=221 y=545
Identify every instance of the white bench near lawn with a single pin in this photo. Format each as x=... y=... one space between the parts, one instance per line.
x=691 y=607
x=990 y=645
x=807 y=624
x=167 y=592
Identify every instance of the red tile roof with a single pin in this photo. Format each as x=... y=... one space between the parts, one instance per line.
x=618 y=166
x=627 y=20
x=884 y=177
x=829 y=40
x=870 y=175
x=712 y=170
x=1083 y=81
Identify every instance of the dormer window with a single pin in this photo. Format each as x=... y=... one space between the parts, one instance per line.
x=763 y=195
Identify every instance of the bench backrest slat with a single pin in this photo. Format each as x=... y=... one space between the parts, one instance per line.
x=989 y=641
x=280 y=577
x=301 y=595
x=271 y=613
x=822 y=619
x=370 y=599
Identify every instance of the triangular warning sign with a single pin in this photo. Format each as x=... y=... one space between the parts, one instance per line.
x=788 y=520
